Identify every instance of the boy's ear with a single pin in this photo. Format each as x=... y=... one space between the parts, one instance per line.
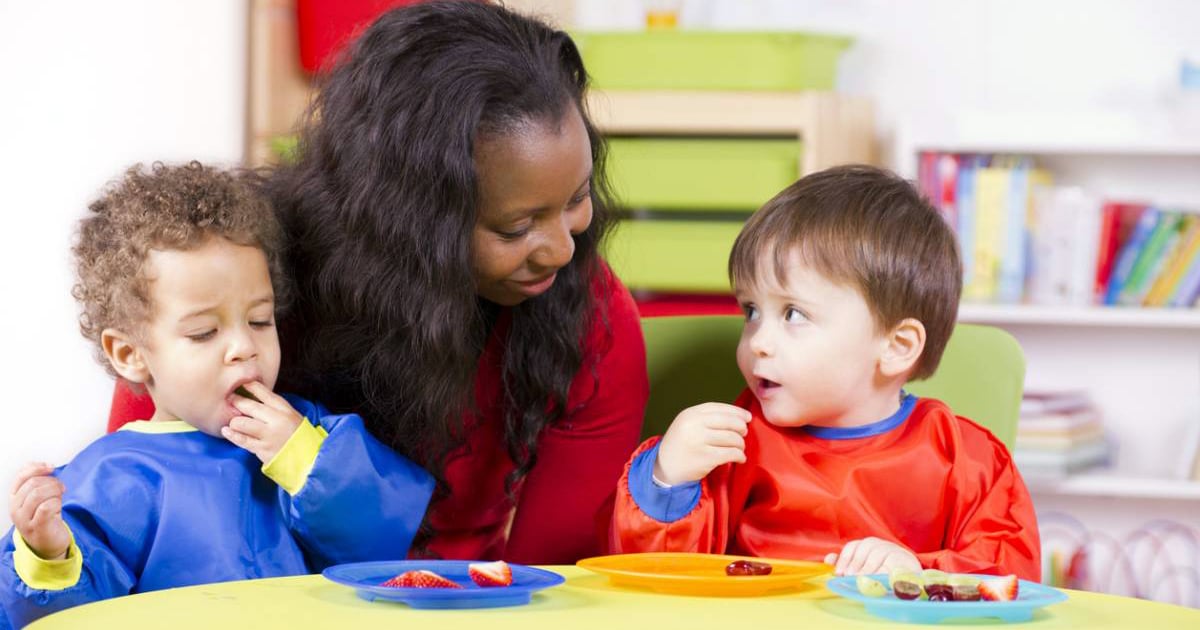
x=905 y=342
x=124 y=355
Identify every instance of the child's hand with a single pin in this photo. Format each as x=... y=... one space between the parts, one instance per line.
x=872 y=555
x=265 y=426
x=700 y=439
x=35 y=507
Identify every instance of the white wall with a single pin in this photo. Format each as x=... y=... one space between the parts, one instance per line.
x=87 y=88
x=924 y=59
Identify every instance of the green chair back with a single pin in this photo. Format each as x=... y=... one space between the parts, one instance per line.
x=691 y=359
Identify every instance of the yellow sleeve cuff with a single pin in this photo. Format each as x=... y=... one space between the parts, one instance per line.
x=291 y=465
x=47 y=575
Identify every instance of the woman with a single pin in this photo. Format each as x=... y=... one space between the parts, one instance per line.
x=445 y=209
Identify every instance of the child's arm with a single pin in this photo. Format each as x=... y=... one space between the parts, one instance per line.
x=346 y=496
x=673 y=495
x=35 y=508
x=35 y=581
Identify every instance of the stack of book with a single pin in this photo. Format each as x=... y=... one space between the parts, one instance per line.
x=1059 y=434
x=1026 y=240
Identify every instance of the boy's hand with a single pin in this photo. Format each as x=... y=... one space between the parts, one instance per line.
x=265 y=426
x=872 y=555
x=35 y=507
x=700 y=439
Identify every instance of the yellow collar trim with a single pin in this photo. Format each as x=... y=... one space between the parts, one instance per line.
x=160 y=426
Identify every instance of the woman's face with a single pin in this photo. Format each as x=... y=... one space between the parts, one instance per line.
x=535 y=193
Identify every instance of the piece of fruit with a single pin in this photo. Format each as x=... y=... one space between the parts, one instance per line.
x=1001 y=589
x=906 y=584
x=870 y=586
x=965 y=588
x=421 y=578
x=496 y=573
x=937 y=585
x=746 y=567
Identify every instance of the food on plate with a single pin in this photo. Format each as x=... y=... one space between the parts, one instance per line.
x=747 y=567
x=1001 y=589
x=964 y=588
x=421 y=578
x=906 y=584
x=937 y=585
x=489 y=574
x=870 y=586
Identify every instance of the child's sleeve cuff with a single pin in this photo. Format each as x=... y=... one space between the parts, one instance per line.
x=665 y=504
x=292 y=464
x=47 y=575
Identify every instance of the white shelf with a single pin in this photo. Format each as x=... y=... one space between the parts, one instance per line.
x=1127 y=317
x=1140 y=147
x=1113 y=485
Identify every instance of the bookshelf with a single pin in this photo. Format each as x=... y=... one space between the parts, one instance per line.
x=1119 y=486
x=1092 y=316
x=1140 y=365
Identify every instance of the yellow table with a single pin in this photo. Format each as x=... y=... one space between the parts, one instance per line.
x=586 y=600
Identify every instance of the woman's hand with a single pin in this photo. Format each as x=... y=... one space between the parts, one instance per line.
x=265 y=426
x=700 y=439
x=872 y=555
x=35 y=507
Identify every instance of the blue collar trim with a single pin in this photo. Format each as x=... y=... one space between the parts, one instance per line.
x=867 y=430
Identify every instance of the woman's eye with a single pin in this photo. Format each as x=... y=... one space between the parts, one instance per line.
x=793 y=316
x=204 y=336
x=263 y=324
x=581 y=197
x=513 y=235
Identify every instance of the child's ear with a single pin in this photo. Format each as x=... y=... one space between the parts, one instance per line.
x=905 y=342
x=124 y=355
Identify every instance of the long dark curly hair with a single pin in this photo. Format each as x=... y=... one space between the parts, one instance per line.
x=379 y=205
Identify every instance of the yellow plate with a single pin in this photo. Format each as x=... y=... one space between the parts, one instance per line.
x=702 y=574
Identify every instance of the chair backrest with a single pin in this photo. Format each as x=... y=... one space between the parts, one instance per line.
x=690 y=360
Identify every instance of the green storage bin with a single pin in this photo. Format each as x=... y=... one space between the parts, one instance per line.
x=711 y=60
x=701 y=174
x=665 y=255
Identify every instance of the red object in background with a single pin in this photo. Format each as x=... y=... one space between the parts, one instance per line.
x=325 y=26
x=128 y=406
x=665 y=304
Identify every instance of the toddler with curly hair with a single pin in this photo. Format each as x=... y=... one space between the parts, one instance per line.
x=180 y=281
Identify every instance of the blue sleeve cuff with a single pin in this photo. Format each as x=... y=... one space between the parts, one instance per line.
x=665 y=505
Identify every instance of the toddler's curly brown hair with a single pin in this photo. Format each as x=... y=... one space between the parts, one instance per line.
x=164 y=207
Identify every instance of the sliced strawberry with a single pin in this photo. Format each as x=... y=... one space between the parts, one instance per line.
x=496 y=573
x=1001 y=589
x=421 y=579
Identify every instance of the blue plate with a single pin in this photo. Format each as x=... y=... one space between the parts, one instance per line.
x=365 y=578
x=1030 y=596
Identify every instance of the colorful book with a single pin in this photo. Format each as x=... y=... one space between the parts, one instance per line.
x=964 y=198
x=1150 y=259
x=1129 y=253
x=947 y=176
x=1188 y=289
x=1178 y=261
x=1117 y=224
x=992 y=186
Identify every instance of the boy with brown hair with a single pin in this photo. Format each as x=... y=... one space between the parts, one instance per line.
x=850 y=284
x=179 y=279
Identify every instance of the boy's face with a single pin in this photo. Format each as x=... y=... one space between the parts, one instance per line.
x=810 y=348
x=212 y=330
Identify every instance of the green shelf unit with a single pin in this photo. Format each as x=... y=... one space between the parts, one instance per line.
x=701 y=173
x=673 y=255
x=711 y=60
